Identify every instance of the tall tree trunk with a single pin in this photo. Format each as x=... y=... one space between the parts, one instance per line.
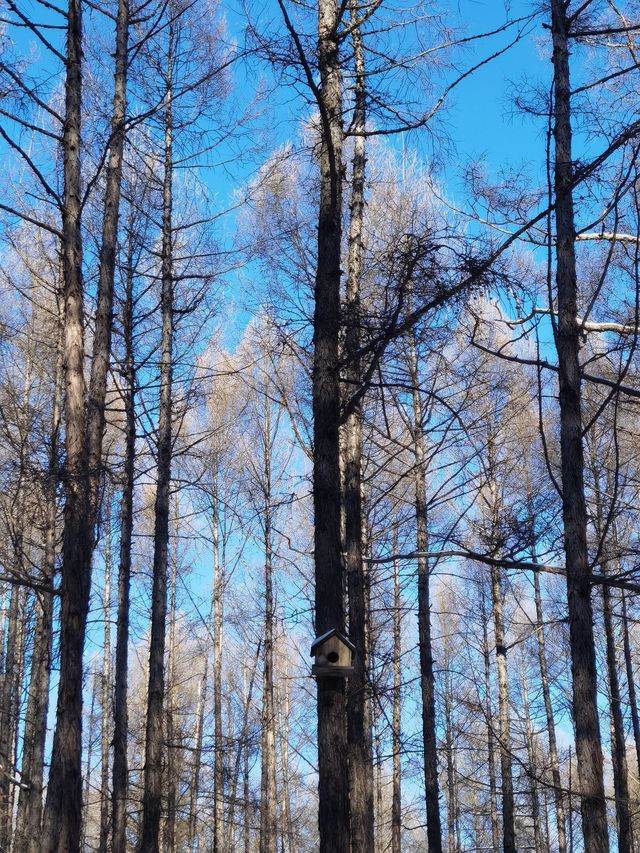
x=11 y=676
x=89 y=762
x=533 y=764
x=242 y=756
x=284 y=760
x=549 y=715
x=268 y=785
x=246 y=825
x=448 y=733
x=618 y=739
x=171 y=783
x=358 y=722
x=567 y=338
x=84 y=421
x=427 y=677
x=618 y=744
x=120 y=785
x=506 y=773
x=218 y=626
x=29 y=814
x=63 y=811
x=396 y=797
x=193 y=841
x=152 y=795
x=380 y=840
x=26 y=629
x=106 y=686
x=491 y=760
x=631 y=683
x=333 y=789
x=9 y=693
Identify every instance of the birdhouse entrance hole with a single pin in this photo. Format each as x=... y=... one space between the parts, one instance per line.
x=333 y=657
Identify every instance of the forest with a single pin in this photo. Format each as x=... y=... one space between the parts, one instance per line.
x=319 y=478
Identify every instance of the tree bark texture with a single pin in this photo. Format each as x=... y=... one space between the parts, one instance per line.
x=567 y=338
x=154 y=752
x=427 y=676
x=333 y=791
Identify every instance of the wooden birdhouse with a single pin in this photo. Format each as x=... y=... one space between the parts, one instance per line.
x=333 y=653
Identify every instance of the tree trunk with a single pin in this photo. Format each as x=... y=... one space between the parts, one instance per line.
x=358 y=722
x=84 y=420
x=380 y=840
x=268 y=786
x=121 y=717
x=506 y=773
x=89 y=763
x=193 y=841
x=171 y=783
x=242 y=755
x=245 y=791
x=618 y=744
x=427 y=678
x=218 y=605
x=333 y=790
x=448 y=733
x=9 y=695
x=106 y=686
x=550 y=721
x=29 y=815
x=152 y=795
x=396 y=801
x=533 y=766
x=567 y=338
x=631 y=684
x=491 y=761
x=63 y=811
x=284 y=759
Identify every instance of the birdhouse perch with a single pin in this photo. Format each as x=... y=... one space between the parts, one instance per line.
x=333 y=653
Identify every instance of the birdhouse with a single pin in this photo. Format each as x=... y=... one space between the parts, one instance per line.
x=334 y=655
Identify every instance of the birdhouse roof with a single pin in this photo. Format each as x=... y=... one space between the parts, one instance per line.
x=332 y=632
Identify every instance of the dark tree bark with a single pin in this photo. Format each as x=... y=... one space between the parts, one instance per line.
x=84 y=427
x=618 y=735
x=427 y=677
x=506 y=772
x=333 y=791
x=396 y=793
x=268 y=785
x=152 y=795
x=63 y=811
x=549 y=715
x=120 y=783
x=171 y=782
x=618 y=746
x=491 y=760
x=536 y=818
x=106 y=692
x=567 y=339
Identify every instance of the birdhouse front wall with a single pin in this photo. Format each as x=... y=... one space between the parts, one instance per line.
x=334 y=653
